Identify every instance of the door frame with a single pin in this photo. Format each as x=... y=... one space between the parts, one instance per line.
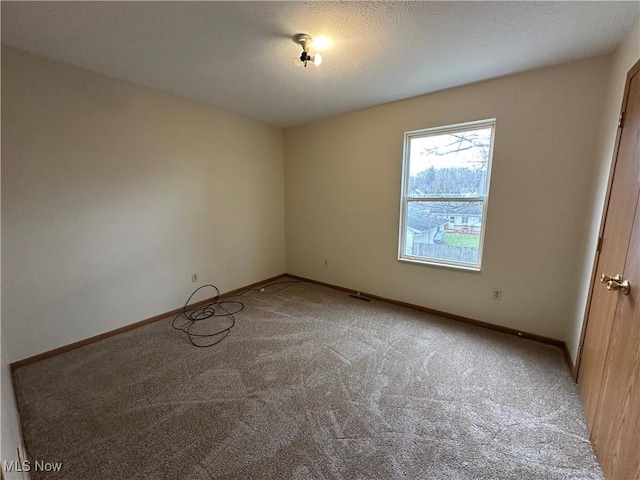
x=596 y=257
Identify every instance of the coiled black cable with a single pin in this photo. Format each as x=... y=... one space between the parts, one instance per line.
x=217 y=308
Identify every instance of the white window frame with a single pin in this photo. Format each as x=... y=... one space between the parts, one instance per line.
x=405 y=198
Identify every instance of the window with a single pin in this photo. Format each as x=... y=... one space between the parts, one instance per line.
x=445 y=188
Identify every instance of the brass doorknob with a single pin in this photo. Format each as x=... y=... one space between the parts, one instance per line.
x=616 y=283
x=623 y=286
x=607 y=278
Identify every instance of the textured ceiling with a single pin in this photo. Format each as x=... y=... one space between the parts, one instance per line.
x=236 y=56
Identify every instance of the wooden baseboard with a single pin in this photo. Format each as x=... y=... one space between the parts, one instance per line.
x=126 y=328
x=67 y=348
x=531 y=336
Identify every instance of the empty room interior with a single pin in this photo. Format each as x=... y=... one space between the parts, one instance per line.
x=350 y=240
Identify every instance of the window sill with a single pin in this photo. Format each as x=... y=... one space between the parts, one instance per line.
x=415 y=261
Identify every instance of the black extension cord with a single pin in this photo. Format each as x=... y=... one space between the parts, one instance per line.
x=218 y=307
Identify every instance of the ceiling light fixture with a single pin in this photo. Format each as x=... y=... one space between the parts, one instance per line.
x=305 y=41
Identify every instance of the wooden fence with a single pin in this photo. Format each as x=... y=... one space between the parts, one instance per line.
x=449 y=252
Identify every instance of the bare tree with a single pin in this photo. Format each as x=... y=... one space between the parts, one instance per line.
x=472 y=139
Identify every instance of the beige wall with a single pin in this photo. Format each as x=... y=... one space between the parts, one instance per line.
x=11 y=436
x=342 y=181
x=112 y=194
x=625 y=56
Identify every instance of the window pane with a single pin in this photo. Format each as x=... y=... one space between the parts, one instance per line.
x=450 y=164
x=448 y=231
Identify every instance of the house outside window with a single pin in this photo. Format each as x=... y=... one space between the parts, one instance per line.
x=445 y=190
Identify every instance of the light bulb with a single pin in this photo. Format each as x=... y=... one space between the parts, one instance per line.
x=295 y=61
x=317 y=59
x=321 y=43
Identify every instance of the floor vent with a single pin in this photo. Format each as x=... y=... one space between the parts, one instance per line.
x=359 y=297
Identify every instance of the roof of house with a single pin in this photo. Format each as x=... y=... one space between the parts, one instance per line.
x=420 y=219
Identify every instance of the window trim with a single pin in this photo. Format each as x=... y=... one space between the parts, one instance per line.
x=405 y=199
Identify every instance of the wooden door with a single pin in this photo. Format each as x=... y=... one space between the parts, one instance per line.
x=609 y=369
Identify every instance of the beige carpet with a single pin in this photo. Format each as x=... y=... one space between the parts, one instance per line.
x=310 y=383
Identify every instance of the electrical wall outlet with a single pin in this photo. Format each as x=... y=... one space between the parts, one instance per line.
x=194 y=277
x=496 y=293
